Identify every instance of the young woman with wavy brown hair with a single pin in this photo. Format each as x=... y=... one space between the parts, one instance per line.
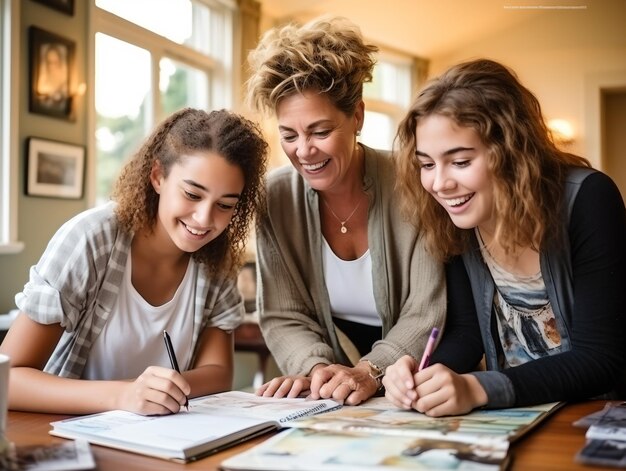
x=535 y=232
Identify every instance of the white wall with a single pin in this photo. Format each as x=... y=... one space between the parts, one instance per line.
x=557 y=56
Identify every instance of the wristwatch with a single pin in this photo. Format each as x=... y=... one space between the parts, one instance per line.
x=376 y=374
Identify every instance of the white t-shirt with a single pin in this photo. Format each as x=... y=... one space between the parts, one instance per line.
x=350 y=287
x=132 y=339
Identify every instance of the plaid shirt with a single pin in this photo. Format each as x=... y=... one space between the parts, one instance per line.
x=76 y=283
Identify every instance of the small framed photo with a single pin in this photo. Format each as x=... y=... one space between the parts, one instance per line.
x=51 y=62
x=64 y=6
x=54 y=169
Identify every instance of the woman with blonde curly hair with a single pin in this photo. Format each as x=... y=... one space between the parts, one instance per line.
x=162 y=256
x=345 y=284
x=537 y=234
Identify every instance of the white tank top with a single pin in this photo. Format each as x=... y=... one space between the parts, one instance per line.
x=132 y=338
x=350 y=287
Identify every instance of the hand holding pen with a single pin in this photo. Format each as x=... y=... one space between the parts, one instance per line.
x=428 y=351
x=399 y=380
x=436 y=390
x=172 y=355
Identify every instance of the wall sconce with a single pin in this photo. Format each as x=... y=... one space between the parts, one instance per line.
x=562 y=131
x=80 y=90
x=76 y=92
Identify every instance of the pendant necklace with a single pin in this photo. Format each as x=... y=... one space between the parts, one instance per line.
x=343 y=228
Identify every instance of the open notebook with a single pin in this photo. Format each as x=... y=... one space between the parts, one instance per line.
x=212 y=423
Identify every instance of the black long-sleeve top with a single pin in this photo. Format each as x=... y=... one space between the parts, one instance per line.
x=596 y=361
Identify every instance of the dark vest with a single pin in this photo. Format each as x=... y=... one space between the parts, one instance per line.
x=556 y=269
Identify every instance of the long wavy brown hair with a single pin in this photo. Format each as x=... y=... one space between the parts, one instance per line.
x=233 y=137
x=527 y=168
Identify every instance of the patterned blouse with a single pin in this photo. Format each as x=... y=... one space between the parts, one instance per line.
x=527 y=326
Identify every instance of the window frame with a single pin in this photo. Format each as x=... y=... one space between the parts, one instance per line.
x=9 y=148
x=220 y=70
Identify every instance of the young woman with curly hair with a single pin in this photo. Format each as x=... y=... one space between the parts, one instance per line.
x=346 y=286
x=537 y=234
x=162 y=256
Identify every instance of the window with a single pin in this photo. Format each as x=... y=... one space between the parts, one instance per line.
x=9 y=44
x=387 y=98
x=152 y=58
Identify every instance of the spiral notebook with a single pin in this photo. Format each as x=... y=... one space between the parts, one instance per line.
x=212 y=423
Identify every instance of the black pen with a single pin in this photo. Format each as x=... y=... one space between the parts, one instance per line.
x=172 y=355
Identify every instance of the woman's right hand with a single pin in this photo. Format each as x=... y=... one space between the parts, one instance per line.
x=442 y=392
x=157 y=391
x=285 y=386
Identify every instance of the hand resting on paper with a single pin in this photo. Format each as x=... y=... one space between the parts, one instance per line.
x=285 y=386
x=157 y=391
x=435 y=391
x=349 y=385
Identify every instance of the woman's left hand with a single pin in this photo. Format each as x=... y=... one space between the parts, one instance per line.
x=350 y=385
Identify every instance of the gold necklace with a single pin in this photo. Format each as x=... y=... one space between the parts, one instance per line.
x=343 y=228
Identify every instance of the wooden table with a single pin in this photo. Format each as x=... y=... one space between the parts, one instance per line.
x=550 y=447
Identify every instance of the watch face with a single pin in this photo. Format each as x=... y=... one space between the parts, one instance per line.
x=375 y=371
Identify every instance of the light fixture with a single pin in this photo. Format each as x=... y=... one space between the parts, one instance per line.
x=562 y=131
x=81 y=88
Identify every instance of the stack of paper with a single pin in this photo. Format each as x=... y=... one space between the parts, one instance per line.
x=606 y=436
x=70 y=456
x=377 y=436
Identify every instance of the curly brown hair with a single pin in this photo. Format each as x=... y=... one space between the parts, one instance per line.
x=528 y=169
x=233 y=137
x=327 y=55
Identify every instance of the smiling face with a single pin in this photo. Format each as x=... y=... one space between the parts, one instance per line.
x=454 y=170
x=319 y=139
x=196 y=200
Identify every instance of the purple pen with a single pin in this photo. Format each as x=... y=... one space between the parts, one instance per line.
x=428 y=351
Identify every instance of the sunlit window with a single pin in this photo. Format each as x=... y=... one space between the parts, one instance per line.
x=9 y=149
x=121 y=100
x=154 y=57
x=391 y=83
x=387 y=98
x=182 y=21
x=4 y=157
x=378 y=130
x=181 y=84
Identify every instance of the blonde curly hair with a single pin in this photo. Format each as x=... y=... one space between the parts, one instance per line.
x=327 y=55
x=528 y=169
x=233 y=137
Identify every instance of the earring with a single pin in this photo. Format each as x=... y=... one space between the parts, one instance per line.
x=358 y=133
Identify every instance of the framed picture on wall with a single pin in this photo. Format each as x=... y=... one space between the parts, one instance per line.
x=51 y=59
x=65 y=6
x=54 y=169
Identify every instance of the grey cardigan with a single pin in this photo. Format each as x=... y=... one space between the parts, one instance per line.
x=293 y=302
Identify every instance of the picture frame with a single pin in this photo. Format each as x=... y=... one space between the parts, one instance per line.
x=51 y=59
x=64 y=6
x=54 y=169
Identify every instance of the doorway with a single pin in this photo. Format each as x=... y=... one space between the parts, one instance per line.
x=613 y=119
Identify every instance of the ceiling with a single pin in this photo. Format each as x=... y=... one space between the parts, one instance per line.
x=424 y=28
